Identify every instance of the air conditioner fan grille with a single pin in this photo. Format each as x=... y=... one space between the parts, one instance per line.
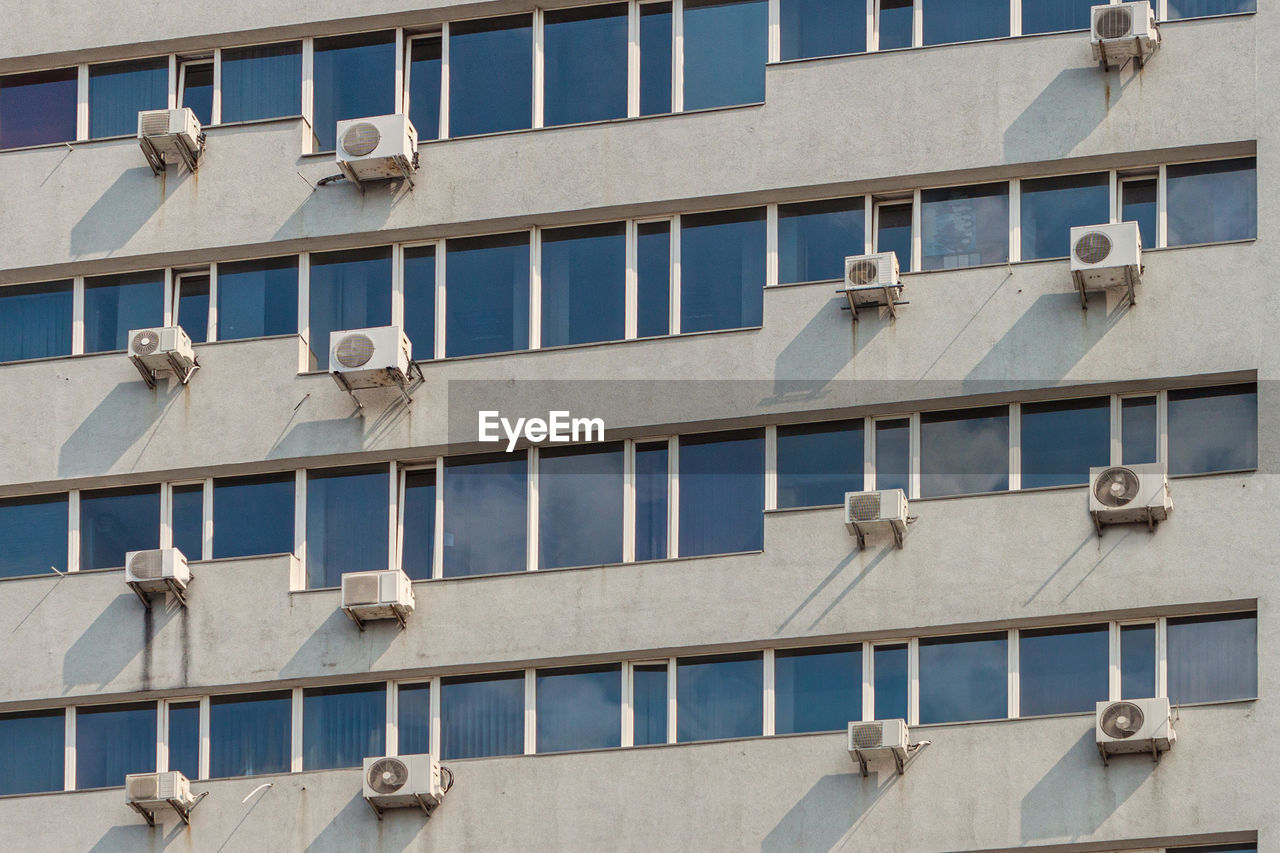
x=147 y=565
x=864 y=507
x=1115 y=23
x=1116 y=487
x=870 y=736
x=863 y=272
x=388 y=775
x=144 y=787
x=360 y=139
x=354 y=350
x=1093 y=248
x=362 y=590
x=1121 y=720
x=145 y=342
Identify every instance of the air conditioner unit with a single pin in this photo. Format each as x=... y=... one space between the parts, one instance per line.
x=1104 y=256
x=170 y=136
x=370 y=358
x=146 y=792
x=377 y=595
x=377 y=148
x=157 y=570
x=879 y=739
x=162 y=349
x=397 y=781
x=1123 y=31
x=1123 y=494
x=1134 y=725
x=872 y=281
x=873 y=512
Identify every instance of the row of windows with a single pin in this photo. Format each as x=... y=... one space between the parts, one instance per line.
x=622 y=501
x=621 y=280
x=946 y=679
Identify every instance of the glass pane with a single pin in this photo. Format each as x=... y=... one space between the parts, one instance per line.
x=346 y=523
x=349 y=290
x=1138 y=429
x=1209 y=202
x=818 y=463
x=1063 y=670
x=948 y=21
x=653 y=262
x=719 y=697
x=891 y=682
x=253 y=515
x=260 y=82
x=420 y=300
x=38 y=108
x=34 y=533
x=893 y=232
x=579 y=708
x=1137 y=661
x=964 y=452
x=1051 y=207
x=113 y=741
x=116 y=304
x=965 y=226
x=35 y=320
x=822 y=28
x=896 y=25
x=188 y=520
x=1196 y=8
x=490 y=75
x=722 y=258
x=725 y=50
x=651 y=501
x=184 y=739
x=116 y=521
x=814 y=238
x=584 y=283
x=32 y=756
x=580 y=506
x=1063 y=439
x=485 y=510
x=250 y=734
x=193 y=307
x=893 y=455
x=417 y=549
x=721 y=493
x=482 y=716
x=258 y=298
x=424 y=88
x=1213 y=658
x=649 y=703
x=342 y=725
x=355 y=76
x=119 y=91
x=1138 y=204
x=1213 y=429
x=655 y=58
x=964 y=678
x=488 y=305
x=197 y=90
x=817 y=690
x=413 y=725
x=1051 y=16
x=585 y=64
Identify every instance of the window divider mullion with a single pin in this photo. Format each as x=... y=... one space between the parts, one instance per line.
x=868 y=681
x=677 y=56
x=441 y=295
x=868 y=454
x=392 y=729
x=1162 y=656
x=444 y=81
x=868 y=220
x=531 y=534
x=215 y=110
x=211 y=327
x=1015 y=18
x=771 y=242
x=674 y=295
x=914 y=465
x=166 y=515
x=539 y=74
x=917 y=254
x=1162 y=207
x=913 y=681
x=770 y=467
x=69 y=750
x=629 y=501
x=633 y=58
x=82 y=102
x=1015 y=217
x=175 y=71
x=1015 y=447
x=673 y=497
x=1162 y=426
x=393 y=516
x=775 y=31
x=1113 y=189
x=1015 y=676
x=202 y=760
x=1117 y=426
x=304 y=310
x=397 y=285
x=437 y=544
x=206 y=519
x=627 y=738
x=298 y=578
x=171 y=282
x=631 y=296
x=401 y=73
x=73 y=530
x=873 y=27
x=530 y=711
x=1114 y=662
x=535 y=288
x=768 y=723
x=295 y=731
x=77 y=315
x=917 y=23
x=308 y=88
x=434 y=734
x=673 y=705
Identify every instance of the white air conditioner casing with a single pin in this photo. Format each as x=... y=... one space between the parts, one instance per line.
x=386 y=594
x=156 y=570
x=1134 y=725
x=398 y=781
x=377 y=148
x=162 y=349
x=1124 y=494
x=875 y=512
x=872 y=281
x=1104 y=256
x=370 y=358
x=1122 y=31
x=877 y=738
x=170 y=136
x=158 y=790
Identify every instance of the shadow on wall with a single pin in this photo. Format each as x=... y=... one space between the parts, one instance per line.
x=341 y=208
x=130 y=838
x=1060 y=807
x=120 y=212
x=827 y=816
x=122 y=631
x=126 y=414
x=338 y=646
x=807 y=364
x=355 y=828
x=1063 y=115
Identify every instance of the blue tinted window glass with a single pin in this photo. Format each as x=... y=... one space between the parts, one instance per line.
x=890 y=682
x=1210 y=202
x=1063 y=670
x=965 y=226
x=1063 y=439
x=725 y=50
x=719 y=697
x=113 y=741
x=965 y=451
x=1051 y=207
x=1138 y=204
x=1137 y=661
x=893 y=232
x=964 y=20
x=893 y=455
x=722 y=257
x=33 y=535
x=1138 y=429
x=349 y=290
x=260 y=82
x=38 y=108
x=420 y=300
x=116 y=521
x=485 y=506
x=413 y=723
x=1213 y=658
x=482 y=716
x=193 y=307
x=896 y=23
x=35 y=320
x=253 y=515
x=584 y=279
x=197 y=90
x=488 y=305
x=346 y=523
x=653 y=284
x=721 y=493
x=579 y=708
x=250 y=734
x=651 y=501
x=822 y=28
x=184 y=739
x=121 y=90
x=585 y=64
x=580 y=506
x=424 y=87
x=817 y=690
x=417 y=554
x=818 y=463
x=814 y=238
x=258 y=298
x=341 y=725
x=964 y=678
x=32 y=756
x=655 y=58
x=490 y=75
x=187 y=508
x=354 y=78
x=649 y=704
x=1213 y=429
x=1051 y=16
x=115 y=304
x=1197 y=8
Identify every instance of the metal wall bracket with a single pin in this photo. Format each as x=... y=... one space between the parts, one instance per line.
x=183 y=373
x=172 y=586
x=360 y=623
x=190 y=159
x=183 y=812
x=899 y=762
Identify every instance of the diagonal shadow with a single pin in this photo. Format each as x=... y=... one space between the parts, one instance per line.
x=840 y=567
x=875 y=561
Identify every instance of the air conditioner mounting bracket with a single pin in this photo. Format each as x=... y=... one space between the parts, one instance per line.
x=149 y=376
x=184 y=812
x=173 y=587
x=913 y=749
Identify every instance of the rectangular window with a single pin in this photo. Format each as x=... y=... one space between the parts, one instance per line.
x=964 y=678
x=424 y=86
x=965 y=226
x=354 y=78
x=815 y=237
x=817 y=690
x=896 y=25
x=652 y=482
x=38 y=108
x=264 y=81
x=184 y=738
x=893 y=232
x=1213 y=658
x=1212 y=202
x=341 y=725
x=34 y=535
x=947 y=21
x=726 y=47
x=653 y=280
x=482 y=715
x=490 y=75
x=722 y=270
x=349 y=290
x=1213 y=429
x=720 y=696
x=893 y=454
x=35 y=320
x=485 y=511
x=116 y=521
x=487 y=309
x=32 y=751
x=193 y=306
x=1137 y=661
x=113 y=741
x=1063 y=439
x=585 y=64
x=186 y=516
x=580 y=506
x=822 y=28
x=346 y=523
x=250 y=734
x=1054 y=16
x=655 y=58
x=964 y=451
x=1138 y=204
x=1138 y=429
x=253 y=515
x=418 y=518
x=413 y=723
x=258 y=298
x=891 y=682
x=120 y=90
x=1063 y=670
x=1051 y=207
x=195 y=88
x=721 y=493
x=420 y=300
x=116 y=304
x=584 y=284
x=818 y=463
x=579 y=708
x=649 y=703
x=1200 y=8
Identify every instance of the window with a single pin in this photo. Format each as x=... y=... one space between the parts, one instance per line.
x=113 y=741
x=719 y=696
x=947 y=21
x=1212 y=202
x=354 y=77
x=119 y=91
x=193 y=306
x=485 y=511
x=1137 y=661
x=1063 y=670
x=487 y=309
x=1052 y=206
x=35 y=320
x=822 y=28
x=893 y=454
x=649 y=703
x=186 y=516
x=116 y=304
x=585 y=63
x=1063 y=439
x=721 y=493
x=815 y=237
x=964 y=452
x=580 y=506
x=655 y=58
x=964 y=678
x=1138 y=429
x=253 y=515
x=653 y=279
x=817 y=690
x=1213 y=658
x=482 y=715
x=897 y=25
x=579 y=708
x=264 y=81
x=490 y=75
x=413 y=722
x=420 y=300
x=341 y=725
x=722 y=260
x=424 y=86
x=258 y=298
x=1213 y=429
x=893 y=232
x=584 y=282
x=890 y=681
x=418 y=520
x=116 y=521
x=725 y=50
x=32 y=751
x=250 y=734
x=652 y=505
x=33 y=533
x=349 y=290
x=38 y=108
x=965 y=226
x=818 y=463
x=1052 y=16
x=1138 y=204
x=195 y=87
x=184 y=738
x=1197 y=8
x=347 y=523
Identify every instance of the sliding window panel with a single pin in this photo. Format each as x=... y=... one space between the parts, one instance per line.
x=893 y=232
x=1063 y=670
x=653 y=279
x=261 y=82
x=897 y=24
x=580 y=493
x=354 y=78
x=424 y=86
x=722 y=270
x=116 y=304
x=420 y=300
x=113 y=741
x=346 y=523
x=1203 y=8
x=193 y=307
x=719 y=696
x=584 y=282
x=33 y=535
x=892 y=682
x=348 y=290
x=342 y=725
x=817 y=690
x=1138 y=204
x=38 y=108
x=258 y=298
x=579 y=708
x=964 y=451
x=116 y=521
x=822 y=28
x=253 y=515
x=656 y=39
x=818 y=463
x=1062 y=440
x=1213 y=658
x=1137 y=661
x=649 y=703
x=487 y=309
x=965 y=226
x=485 y=514
x=418 y=517
x=197 y=90
x=947 y=21
x=726 y=46
x=490 y=75
x=1053 y=16
x=1051 y=207
x=413 y=718
x=35 y=320
x=120 y=90
x=1139 y=430
x=1213 y=429
x=585 y=64
x=482 y=716
x=250 y=734
x=186 y=516
x=32 y=751
x=652 y=485
x=815 y=237
x=184 y=738
x=1212 y=202
x=721 y=493
x=964 y=678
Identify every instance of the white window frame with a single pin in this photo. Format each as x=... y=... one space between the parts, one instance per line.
x=399 y=481
x=180 y=82
x=177 y=277
x=409 y=38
